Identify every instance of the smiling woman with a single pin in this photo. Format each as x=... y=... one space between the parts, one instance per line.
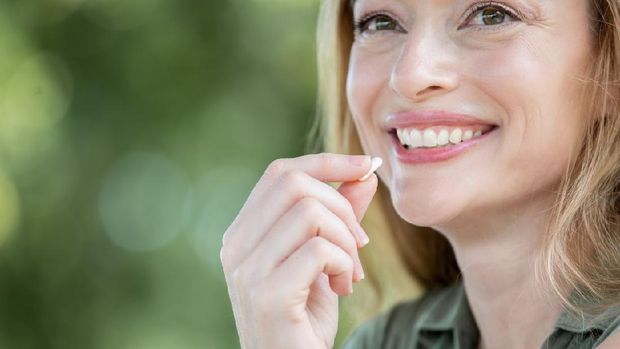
x=499 y=129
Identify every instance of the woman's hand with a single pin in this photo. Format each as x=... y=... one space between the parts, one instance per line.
x=292 y=249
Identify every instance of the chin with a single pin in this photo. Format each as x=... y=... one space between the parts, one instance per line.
x=429 y=214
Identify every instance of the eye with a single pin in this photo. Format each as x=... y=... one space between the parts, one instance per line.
x=490 y=14
x=375 y=22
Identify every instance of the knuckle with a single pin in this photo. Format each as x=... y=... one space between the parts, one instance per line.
x=294 y=182
x=239 y=279
x=311 y=213
x=275 y=168
x=224 y=257
x=227 y=258
x=232 y=229
x=311 y=208
x=225 y=238
x=319 y=247
x=326 y=162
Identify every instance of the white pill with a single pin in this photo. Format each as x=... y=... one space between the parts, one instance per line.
x=375 y=164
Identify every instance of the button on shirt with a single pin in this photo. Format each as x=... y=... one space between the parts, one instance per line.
x=442 y=319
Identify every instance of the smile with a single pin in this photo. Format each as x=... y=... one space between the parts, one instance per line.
x=438 y=136
x=437 y=143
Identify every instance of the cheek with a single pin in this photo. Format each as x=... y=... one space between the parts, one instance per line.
x=532 y=83
x=367 y=78
x=367 y=90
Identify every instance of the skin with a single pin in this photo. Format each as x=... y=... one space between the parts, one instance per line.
x=491 y=201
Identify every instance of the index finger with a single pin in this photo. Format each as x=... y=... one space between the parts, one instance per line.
x=326 y=167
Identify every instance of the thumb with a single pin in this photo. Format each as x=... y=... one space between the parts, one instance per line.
x=359 y=194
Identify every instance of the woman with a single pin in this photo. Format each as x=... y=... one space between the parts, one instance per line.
x=500 y=134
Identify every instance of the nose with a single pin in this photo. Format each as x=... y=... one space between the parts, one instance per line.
x=425 y=67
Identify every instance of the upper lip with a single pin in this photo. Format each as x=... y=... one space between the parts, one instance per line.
x=424 y=119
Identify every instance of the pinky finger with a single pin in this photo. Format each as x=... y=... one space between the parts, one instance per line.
x=317 y=255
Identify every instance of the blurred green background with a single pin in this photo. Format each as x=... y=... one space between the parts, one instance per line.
x=131 y=132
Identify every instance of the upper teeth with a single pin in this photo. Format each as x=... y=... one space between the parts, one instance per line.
x=436 y=136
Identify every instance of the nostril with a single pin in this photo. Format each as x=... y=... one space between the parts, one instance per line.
x=428 y=89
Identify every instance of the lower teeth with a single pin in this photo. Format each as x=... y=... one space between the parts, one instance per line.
x=438 y=146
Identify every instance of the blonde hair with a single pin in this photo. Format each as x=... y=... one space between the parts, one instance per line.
x=582 y=244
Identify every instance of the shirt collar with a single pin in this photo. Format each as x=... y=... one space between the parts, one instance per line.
x=581 y=323
x=449 y=310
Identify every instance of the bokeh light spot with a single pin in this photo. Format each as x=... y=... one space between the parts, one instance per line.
x=218 y=197
x=143 y=202
x=38 y=93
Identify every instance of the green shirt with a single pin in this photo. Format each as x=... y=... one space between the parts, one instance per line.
x=442 y=319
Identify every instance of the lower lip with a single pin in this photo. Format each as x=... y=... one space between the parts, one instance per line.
x=429 y=155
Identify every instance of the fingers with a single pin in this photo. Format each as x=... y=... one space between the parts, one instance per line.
x=305 y=265
x=359 y=194
x=293 y=187
x=324 y=167
x=307 y=219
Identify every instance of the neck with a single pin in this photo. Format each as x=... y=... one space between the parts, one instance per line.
x=496 y=256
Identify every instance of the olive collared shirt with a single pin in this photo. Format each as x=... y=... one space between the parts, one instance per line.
x=442 y=319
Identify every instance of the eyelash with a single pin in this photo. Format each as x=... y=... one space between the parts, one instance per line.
x=515 y=15
x=361 y=23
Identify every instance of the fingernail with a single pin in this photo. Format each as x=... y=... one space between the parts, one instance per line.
x=364 y=239
x=375 y=164
x=361 y=270
x=358 y=160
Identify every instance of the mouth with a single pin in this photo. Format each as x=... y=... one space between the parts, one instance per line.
x=437 y=143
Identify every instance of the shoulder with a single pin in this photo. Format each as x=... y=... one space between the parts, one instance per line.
x=398 y=326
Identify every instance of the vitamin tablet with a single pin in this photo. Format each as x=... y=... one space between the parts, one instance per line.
x=375 y=164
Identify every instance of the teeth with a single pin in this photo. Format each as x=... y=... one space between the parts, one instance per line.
x=430 y=138
x=468 y=135
x=443 y=137
x=455 y=136
x=403 y=136
x=414 y=138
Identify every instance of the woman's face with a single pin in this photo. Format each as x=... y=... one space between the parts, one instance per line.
x=510 y=66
